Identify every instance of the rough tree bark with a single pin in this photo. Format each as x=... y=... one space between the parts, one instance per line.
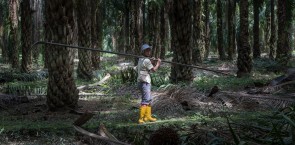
x=96 y=32
x=230 y=30
x=220 y=48
x=284 y=33
x=196 y=40
x=59 y=25
x=256 y=45
x=181 y=35
x=244 y=59
x=13 y=16
x=83 y=10
x=26 y=35
x=207 y=28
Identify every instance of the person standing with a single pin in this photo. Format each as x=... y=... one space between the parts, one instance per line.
x=144 y=68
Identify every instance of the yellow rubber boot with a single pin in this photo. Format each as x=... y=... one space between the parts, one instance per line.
x=142 y=114
x=148 y=116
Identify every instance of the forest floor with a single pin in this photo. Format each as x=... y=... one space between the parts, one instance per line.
x=244 y=110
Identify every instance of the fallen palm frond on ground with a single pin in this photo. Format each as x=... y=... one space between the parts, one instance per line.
x=276 y=88
x=275 y=130
x=95 y=84
x=178 y=99
x=104 y=134
x=106 y=139
x=264 y=130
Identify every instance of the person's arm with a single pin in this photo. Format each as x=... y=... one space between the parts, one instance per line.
x=155 y=68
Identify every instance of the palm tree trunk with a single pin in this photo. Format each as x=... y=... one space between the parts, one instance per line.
x=26 y=28
x=132 y=25
x=197 y=17
x=181 y=35
x=13 y=14
x=230 y=30
x=137 y=27
x=267 y=27
x=157 y=36
x=169 y=7
x=121 y=32
x=273 y=30
x=5 y=41
x=153 y=22
x=219 y=30
x=83 y=10
x=1 y=27
x=234 y=44
x=256 y=46
x=157 y=39
x=5 y=30
x=163 y=31
x=37 y=26
x=126 y=26
x=62 y=92
x=284 y=35
x=207 y=28
x=244 y=59
x=143 y=18
x=150 y=22
x=96 y=32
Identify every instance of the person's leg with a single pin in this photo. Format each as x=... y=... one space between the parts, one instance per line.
x=146 y=97
x=144 y=101
x=148 y=116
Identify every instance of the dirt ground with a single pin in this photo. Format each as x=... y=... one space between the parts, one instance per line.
x=30 y=122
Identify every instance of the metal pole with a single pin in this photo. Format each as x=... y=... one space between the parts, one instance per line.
x=117 y=53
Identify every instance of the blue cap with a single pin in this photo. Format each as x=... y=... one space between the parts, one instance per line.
x=145 y=46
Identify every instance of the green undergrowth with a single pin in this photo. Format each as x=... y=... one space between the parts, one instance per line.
x=36 y=87
x=26 y=125
x=24 y=88
x=160 y=79
x=120 y=118
x=123 y=124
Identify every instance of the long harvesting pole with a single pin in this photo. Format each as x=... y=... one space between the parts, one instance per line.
x=125 y=54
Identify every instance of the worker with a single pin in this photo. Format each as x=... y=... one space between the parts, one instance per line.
x=144 y=68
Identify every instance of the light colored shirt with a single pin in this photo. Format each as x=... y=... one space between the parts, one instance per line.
x=143 y=70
